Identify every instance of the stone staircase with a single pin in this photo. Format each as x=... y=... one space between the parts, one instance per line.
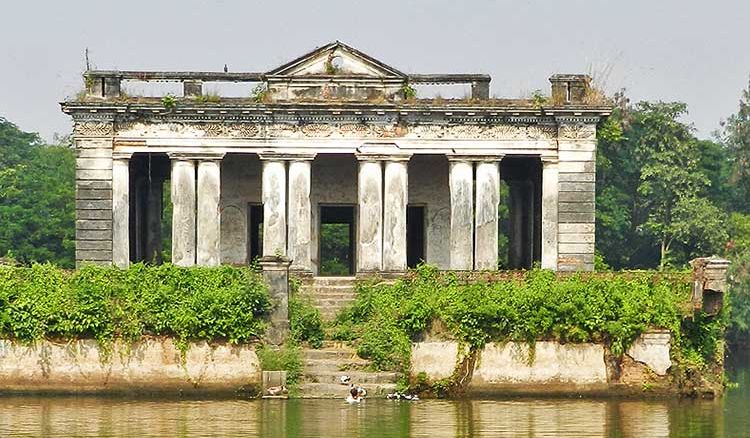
x=324 y=367
x=330 y=294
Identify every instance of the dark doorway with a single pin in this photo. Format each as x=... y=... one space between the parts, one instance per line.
x=254 y=231
x=523 y=206
x=148 y=173
x=414 y=235
x=336 y=240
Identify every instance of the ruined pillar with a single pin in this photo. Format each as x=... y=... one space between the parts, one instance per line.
x=276 y=276
x=299 y=247
x=370 y=228
x=461 y=183
x=183 y=211
x=550 y=190
x=121 y=210
x=485 y=218
x=209 y=216
x=394 y=214
x=274 y=205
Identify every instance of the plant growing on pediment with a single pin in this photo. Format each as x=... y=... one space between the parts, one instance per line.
x=408 y=92
x=538 y=98
x=331 y=66
x=259 y=93
x=169 y=102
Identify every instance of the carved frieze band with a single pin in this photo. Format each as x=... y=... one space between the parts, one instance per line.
x=353 y=130
x=88 y=128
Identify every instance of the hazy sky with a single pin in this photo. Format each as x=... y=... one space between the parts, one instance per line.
x=689 y=50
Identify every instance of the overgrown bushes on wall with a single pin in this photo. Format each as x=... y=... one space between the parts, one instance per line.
x=43 y=301
x=613 y=308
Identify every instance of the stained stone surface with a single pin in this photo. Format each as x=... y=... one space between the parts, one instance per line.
x=120 y=214
x=183 y=212
x=394 y=216
x=274 y=208
x=462 y=225
x=209 y=216
x=486 y=217
x=300 y=215
x=550 y=216
x=370 y=230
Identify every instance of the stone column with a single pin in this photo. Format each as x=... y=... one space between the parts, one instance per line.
x=394 y=214
x=183 y=211
x=208 y=251
x=121 y=210
x=485 y=218
x=274 y=205
x=299 y=247
x=276 y=276
x=370 y=215
x=549 y=212
x=461 y=183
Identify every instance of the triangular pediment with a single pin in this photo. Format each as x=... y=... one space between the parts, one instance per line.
x=338 y=59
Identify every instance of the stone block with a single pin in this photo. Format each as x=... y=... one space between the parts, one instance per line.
x=93 y=163
x=87 y=224
x=94 y=235
x=577 y=177
x=577 y=166
x=94 y=214
x=581 y=146
x=576 y=238
x=94 y=255
x=652 y=349
x=577 y=156
x=94 y=184
x=91 y=204
x=88 y=143
x=576 y=197
x=437 y=359
x=94 y=153
x=576 y=248
x=575 y=207
x=576 y=228
x=105 y=245
x=577 y=187
x=100 y=174
x=93 y=194
x=576 y=217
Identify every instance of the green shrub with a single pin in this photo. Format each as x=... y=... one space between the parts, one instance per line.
x=613 y=308
x=286 y=358
x=305 y=322
x=222 y=303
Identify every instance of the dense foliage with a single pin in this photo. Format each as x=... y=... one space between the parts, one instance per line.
x=611 y=308
x=221 y=303
x=37 y=198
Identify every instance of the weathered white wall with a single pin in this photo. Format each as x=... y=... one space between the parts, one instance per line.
x=553 y=366
x=428 y=186
x=151 y=365
x=240 y=186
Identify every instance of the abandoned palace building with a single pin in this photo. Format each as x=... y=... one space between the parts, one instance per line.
x=334 y=158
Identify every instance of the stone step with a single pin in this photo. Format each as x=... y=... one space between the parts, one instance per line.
x=312 y=366
x=330 y=353
x=323 y=302
x=357 y=377
x=331 y=390
x=333 y=281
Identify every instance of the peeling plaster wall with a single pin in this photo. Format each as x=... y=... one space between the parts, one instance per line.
x=240 y=186
x=148 y=366
x=428 y=187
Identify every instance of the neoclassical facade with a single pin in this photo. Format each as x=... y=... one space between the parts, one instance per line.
x=335 y=137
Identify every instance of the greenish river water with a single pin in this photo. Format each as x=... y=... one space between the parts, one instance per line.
x=95 y=416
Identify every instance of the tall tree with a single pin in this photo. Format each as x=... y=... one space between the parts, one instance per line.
x=736 y=137
x=37 y=195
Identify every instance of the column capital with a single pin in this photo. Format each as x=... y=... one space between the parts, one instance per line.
x=122 y=155
x=370 y=156
x=190 y=156
x=287 y=156
x=475 y=157
x=549 y=159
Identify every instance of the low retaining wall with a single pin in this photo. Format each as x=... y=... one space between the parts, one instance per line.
x=152 y=365
x=547 y=367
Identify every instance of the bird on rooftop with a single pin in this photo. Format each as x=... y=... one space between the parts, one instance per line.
x=226 y=69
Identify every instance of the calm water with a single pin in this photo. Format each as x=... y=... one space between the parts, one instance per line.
x=90 y=416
